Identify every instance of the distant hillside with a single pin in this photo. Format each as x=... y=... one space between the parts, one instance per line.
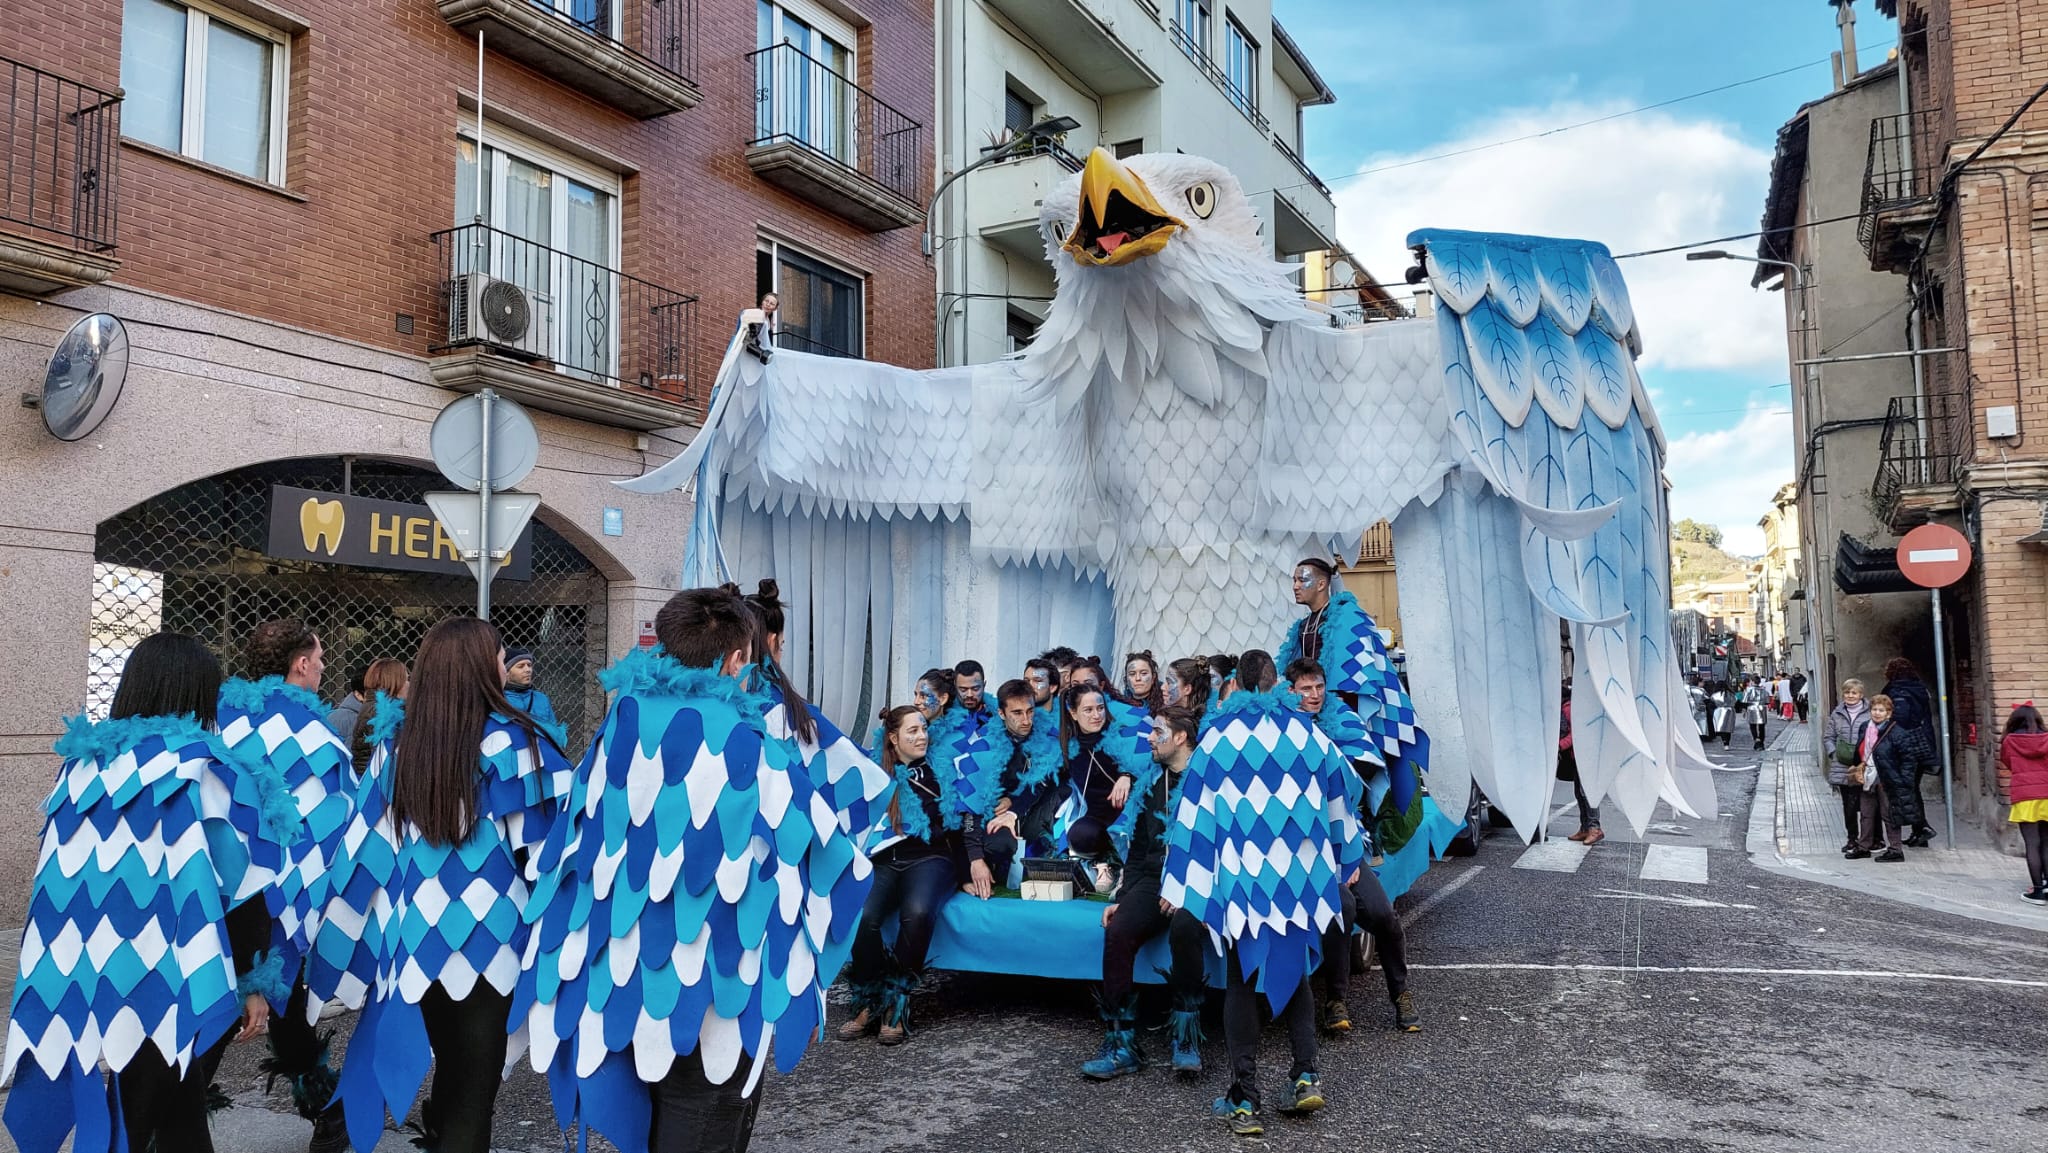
x=1693 y=563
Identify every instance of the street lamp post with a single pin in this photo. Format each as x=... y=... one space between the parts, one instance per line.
x=1043 y=132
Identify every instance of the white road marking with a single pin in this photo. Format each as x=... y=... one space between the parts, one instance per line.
x=1553 y=856
x=1735 y=971
x=1685 y=865
x=1436 y=898
x=1688 y=902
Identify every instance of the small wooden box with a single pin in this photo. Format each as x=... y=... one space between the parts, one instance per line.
x=1048 y=890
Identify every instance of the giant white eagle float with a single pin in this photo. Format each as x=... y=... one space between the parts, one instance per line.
x=1181 y=430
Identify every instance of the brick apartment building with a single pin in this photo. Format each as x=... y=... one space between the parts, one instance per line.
x=1914 y=201
x=280 y=202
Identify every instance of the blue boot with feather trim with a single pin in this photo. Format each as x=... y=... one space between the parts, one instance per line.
x=1119 y=1054
x=1184 y=1024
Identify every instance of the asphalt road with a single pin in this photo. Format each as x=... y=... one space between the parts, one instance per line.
x=1588 y=1009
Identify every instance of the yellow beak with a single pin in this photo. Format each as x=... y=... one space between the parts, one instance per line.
x=1120 y=218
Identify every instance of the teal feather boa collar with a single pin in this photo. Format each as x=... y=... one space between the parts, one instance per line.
x=991 y=758
x=653 y=673
x=254 y=696
x=102 y=741
x=911 y=817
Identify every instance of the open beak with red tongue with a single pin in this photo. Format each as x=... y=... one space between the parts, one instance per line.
x=1120 y=218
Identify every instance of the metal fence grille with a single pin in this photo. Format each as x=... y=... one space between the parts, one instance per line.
x=192 y=560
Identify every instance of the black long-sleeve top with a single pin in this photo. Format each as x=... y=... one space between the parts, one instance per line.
x=1146 y=858
x=1092 y=770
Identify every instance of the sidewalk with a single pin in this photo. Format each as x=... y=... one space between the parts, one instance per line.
x=1796 y=829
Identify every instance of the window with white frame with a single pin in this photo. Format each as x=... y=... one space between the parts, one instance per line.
x=1193 y=18
x=805 y=91
x=1241 y=65
x=821 y=308
x=207 y=84
x=551 y=226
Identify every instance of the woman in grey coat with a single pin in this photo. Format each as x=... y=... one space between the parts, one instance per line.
x=1843 y=724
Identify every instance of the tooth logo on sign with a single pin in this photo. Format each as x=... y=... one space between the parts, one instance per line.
x=320 y=524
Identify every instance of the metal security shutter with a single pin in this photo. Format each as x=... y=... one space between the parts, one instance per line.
x=192 y=560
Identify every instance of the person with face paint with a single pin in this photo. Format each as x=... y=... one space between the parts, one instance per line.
x=1142 y=682
x=946 y=724
x=1007 y=783
x=1098 y=776
x=1366 y=905
x=1187 y=684
x=970 y=680
x=1044 y=678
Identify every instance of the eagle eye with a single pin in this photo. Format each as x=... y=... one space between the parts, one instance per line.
x=1059 y=232
x=1202 y=199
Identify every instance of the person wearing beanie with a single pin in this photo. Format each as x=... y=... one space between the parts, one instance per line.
x=520 y=691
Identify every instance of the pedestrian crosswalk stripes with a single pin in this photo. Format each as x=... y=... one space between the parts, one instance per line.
x=1678 y=863
x=1553 y=856
x=1681 y=864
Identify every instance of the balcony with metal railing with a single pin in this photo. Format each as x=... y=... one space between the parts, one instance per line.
x=832 y=142
x=639 y=56
x=1199 y=56
x=1921 y=452
x=57 y=180
x=1005 y=198
x=1901 y=178
x=563 y=333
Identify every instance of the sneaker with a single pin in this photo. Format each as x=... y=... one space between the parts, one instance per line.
x=1117 y=1058
x=1889 y=856
x=1308 y=1094
x=1239 y=1115
x=1856 y=854
x=1336 y=1017
x=1405 y=1018
x=2037 y=896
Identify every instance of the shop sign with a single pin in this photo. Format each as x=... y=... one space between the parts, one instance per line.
x=386 y=534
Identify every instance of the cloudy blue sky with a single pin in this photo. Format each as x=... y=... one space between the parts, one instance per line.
x=1418 y=78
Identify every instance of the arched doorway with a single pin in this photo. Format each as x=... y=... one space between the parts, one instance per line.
x=195 y=560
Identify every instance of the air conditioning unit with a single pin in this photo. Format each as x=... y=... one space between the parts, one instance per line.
x=486 y=310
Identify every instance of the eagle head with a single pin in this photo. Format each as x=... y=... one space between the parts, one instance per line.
x=1155 y=255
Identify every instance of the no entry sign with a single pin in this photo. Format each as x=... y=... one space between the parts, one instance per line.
x=1934 y=556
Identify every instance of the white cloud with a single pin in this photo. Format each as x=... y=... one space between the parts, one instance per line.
x=1727 y=477
x=1643 y=181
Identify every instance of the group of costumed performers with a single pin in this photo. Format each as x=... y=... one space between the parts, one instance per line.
x=650 y=924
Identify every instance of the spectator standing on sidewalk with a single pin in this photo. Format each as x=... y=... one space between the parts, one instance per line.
x=1799 y=700
x=2023 y=759
x=1845 y=723
x=1897 y=755
x=1913 y=708
x=1568 y=770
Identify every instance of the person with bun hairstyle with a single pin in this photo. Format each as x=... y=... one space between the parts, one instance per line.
x=914 y=875
x=682 y=779
x=1187 y=683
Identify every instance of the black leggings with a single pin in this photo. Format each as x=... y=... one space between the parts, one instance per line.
x=691 y=1115
x=1138 y=920
x=2034 y=834
x=1089 y=837
x=158 y=1104
x=1852 y=809
x=1241 y=1031
x=914 y=890
x=468 y=1039
x=1366 y=906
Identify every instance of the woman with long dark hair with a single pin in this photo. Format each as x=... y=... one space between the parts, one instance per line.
x=1188 y=681
x=152 y=774
x=465 y=785
x=1101 y=771
x=914 y=874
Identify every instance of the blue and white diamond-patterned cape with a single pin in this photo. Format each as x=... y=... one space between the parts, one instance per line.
x=452 y=915
x=1263 y=836
x=1354 y=660
x=688 y=899
x=154 y=831
x=286 y=726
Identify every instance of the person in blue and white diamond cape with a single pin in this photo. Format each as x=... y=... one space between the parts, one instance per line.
x=688 y=899
x=148 y=939
x=1340 y=635
x=280 y=718
x=462 y=787
x=1262 y=839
